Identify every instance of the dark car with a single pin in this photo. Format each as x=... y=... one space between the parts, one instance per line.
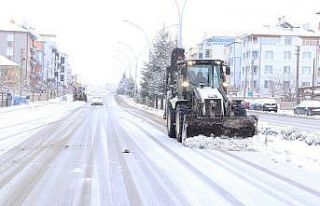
x=96 y=101
x=309 y=107
x=269 y=105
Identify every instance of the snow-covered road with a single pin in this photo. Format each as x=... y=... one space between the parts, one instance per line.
x=118 y=154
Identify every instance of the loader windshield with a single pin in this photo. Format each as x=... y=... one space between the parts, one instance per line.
x=207 y=74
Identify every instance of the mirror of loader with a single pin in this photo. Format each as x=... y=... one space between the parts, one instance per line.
x=227 y=70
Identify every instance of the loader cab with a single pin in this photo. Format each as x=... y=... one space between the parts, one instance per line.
x=200 y=73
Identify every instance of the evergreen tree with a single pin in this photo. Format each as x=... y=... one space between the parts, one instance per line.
x=153 y=74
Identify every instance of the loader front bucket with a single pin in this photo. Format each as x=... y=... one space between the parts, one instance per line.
x=234 y=126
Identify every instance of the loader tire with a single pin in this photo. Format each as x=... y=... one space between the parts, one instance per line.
x=179 y=123
x=170 y=123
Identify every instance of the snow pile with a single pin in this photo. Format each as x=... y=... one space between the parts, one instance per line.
x=290 y=134
x=224 y=143
x=280 y=144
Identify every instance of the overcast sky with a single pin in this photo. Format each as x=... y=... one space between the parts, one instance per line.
x=88 y=30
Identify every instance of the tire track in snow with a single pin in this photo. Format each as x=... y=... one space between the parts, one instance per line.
x=131 y=188
x=145 y=117
x=59 y=139
x=160 y=182
x=206 y=180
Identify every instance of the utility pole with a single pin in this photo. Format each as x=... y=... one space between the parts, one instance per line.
x=313 y=76
x=297 y=75
x=22 y=59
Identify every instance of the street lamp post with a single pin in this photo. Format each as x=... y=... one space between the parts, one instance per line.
x=180 y=18
x=141 y=30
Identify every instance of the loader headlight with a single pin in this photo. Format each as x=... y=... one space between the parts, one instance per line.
x=185 y=84
x=190 y=63
x=225 y=84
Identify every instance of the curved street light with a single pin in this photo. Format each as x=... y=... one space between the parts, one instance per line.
x=124 y=59
x=180 y=16
x=141 y=30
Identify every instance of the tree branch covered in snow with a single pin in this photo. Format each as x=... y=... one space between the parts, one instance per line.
x=153 y=73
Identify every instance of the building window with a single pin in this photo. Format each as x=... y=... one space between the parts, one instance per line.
x=254 y=70
x=254 y=54
x=287 y=55
x=10 y=44
x=254 y=39
x=306 y=55
x=269 y=54
x=288 y=40
x=200 y=56
x=10 y=37
x=286 y=70
x=207 y=54
x=267 y=84
x=270 y=40
x=10 y=57
x=306 y=70
x=255 y=84
x=309 y=41
x=268 y=69
x=9 y=51
x=305 y=84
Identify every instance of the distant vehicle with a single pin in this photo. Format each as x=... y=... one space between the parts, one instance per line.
x=96 y=101
x=256 y=104
x=308 y=107
x=79 y=93
x=269 y=105
x=247 y=102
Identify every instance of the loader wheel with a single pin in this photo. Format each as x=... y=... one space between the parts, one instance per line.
x=170 y=123
x=179 y=123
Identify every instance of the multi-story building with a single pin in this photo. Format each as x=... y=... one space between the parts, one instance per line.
x=211 y=48
x=16 y=43
x=43 y=67
x=270 y=59
x=50 y=65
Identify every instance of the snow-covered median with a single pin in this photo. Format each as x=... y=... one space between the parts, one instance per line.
x=279 y=143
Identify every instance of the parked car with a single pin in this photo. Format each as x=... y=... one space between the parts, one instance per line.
x=246 y=103
x=96 y=101
x=308 y=107
x=269 y=105
x=256 y=104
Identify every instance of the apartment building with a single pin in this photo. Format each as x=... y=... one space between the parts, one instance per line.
x=16 y=44
x=211 y=48
x=270 y=58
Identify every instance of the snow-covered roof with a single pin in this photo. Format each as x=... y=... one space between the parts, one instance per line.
x=310 y=103
x=279 y=31
x=12 y=27
x=6 y=62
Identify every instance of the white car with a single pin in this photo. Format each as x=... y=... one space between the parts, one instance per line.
x=96 y=101
x=308 y=107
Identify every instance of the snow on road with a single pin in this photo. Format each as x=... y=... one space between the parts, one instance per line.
x=120 y=154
